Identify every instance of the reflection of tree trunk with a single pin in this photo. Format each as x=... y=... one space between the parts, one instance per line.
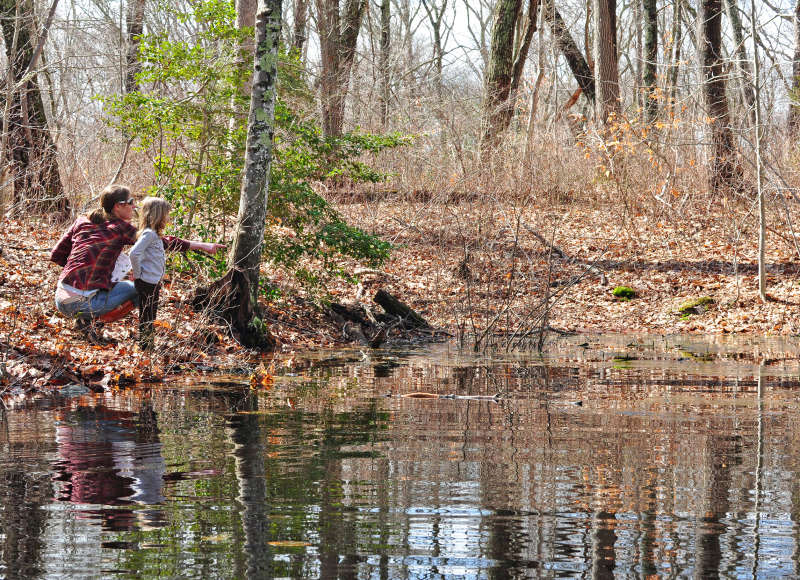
x=603 y=540
x=31 y=153
x=723 y=455
x=251 y=475
x=337 y=536
x=566 y=44
x=649 y=541
x=23 y=519
x=725 y=170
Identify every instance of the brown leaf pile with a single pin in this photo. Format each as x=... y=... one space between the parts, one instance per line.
x=470 y=268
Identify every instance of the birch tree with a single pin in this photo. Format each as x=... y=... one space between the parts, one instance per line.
x=249 y=232
x=235 y=295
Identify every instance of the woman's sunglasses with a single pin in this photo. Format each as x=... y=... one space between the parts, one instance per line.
x=130 y=201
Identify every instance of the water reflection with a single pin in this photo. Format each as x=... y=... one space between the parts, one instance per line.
x=580 y=469
x=110 y=457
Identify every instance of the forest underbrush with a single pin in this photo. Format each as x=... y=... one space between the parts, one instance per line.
x=499 y=259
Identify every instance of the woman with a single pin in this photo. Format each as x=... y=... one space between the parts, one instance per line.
x=88 y=252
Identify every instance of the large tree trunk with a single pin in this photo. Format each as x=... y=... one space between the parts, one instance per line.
x=135 y=27
x=235 y=296
x=650 y=73
x=511 y=39
x=338 y=34
x=794 y=108
x=569 y=48
x=299 y=35
x=605 y=55
x=29 y=152
x=725 y=171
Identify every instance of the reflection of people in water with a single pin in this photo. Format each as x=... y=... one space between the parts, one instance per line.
x=110 y=458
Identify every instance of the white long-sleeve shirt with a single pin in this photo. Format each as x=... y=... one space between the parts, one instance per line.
x=148 y=257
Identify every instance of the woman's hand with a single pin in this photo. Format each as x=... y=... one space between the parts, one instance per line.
x=207 y=247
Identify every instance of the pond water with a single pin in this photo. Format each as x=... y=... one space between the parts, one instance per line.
x=611 y=456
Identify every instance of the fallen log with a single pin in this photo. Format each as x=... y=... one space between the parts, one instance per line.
x=395 y=307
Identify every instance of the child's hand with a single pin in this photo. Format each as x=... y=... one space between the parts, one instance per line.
x=207 y=247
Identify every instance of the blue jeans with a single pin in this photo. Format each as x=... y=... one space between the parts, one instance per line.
x=102 y=302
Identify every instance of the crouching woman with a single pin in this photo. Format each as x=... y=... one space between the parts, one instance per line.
x=88 y=252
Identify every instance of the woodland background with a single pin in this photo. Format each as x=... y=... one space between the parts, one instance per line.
x=503 y=165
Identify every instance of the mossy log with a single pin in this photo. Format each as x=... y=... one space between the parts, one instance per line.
x=229 y=299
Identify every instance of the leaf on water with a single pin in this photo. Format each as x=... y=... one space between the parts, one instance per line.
x=289 y=544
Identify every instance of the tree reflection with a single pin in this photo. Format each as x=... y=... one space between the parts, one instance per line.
x=251 y=475
x=23 y=495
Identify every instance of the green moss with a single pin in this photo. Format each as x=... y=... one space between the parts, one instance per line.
x=624 y=292
x=696 y=305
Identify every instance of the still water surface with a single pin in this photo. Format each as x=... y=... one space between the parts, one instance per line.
x=607 y=457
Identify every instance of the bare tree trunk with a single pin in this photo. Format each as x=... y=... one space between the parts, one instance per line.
x=338 y=34
x=725 y=171
x=650 y=73
x=569 y=48
x=135 y=27
x=30 y=152
x=511 y=39
x=300 y=34
x=742 y=62
x=677 y=39
x=794 y=108
x=605 y=55
x=246 y=18
x=384 y=61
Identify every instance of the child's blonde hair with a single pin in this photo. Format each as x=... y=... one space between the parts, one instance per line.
x=154 y=214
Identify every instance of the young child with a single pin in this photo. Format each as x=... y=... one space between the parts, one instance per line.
x=148 y=263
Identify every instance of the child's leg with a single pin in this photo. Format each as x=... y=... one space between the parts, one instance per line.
x=148 y=307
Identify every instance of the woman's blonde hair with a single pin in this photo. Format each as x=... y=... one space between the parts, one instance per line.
x=153 y=214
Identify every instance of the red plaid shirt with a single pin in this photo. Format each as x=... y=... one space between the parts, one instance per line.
x=89 y=251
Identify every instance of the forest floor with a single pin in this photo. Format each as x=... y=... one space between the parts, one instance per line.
x=470 y=268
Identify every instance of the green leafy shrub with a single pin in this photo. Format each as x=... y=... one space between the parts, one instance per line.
x=191 y=117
